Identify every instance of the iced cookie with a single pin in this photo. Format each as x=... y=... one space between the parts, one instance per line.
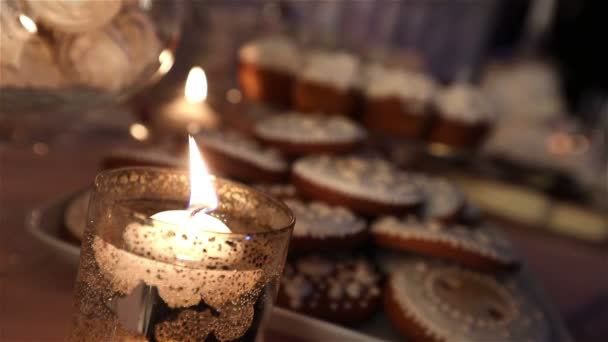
x=430 y=301
x=298 y=134
x=320 y=227
x=280 y=191
x=234 y=155
x=481 y=248
x=338 y=289
x=367 y=186
x=443 y=200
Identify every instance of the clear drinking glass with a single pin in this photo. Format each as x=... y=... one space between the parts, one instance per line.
x=134 y=282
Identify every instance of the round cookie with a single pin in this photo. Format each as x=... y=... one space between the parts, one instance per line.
x=75 y=216
x=444 y=200
x=337 y=289
x=234 y=155
x=297 y=134
x=280 y=191
x=320 y=227
x=481 y=248
x=430 y=301
x=367 y=186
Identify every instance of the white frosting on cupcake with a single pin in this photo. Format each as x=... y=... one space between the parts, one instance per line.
x=486 y=241
x=453 y=304
x=465 y=103
x=414 y=87
x=241 y=147
x=339 y=70
x=306 y=128
x=97 y=59
x=277 y=53
x=443 y=198
x=74 y=16
x=319 y=220
x=371 y=179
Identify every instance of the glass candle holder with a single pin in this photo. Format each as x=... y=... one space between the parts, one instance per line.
x=144 y=280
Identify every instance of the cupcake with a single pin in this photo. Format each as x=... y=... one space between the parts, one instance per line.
x=464 y=117
x=298 y=134
x=327 y=84
x=267 y=68
x=398 y=102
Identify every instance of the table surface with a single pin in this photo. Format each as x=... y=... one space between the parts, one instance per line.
x=36 y=285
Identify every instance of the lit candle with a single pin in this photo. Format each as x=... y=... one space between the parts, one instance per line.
x=190 y=112
x=179 y=234
x=191 y=236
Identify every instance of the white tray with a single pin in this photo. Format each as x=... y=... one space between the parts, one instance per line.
x=46 y=224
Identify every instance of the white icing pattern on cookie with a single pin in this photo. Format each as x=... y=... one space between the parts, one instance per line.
x=306 y=128
x=241 y=147
x=371 y=179
x=485 y=241
x=442 y=197
x=319 y=220
x=453 y=304
x=347 y=283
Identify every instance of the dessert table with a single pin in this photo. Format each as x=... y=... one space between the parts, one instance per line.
x=36 y=284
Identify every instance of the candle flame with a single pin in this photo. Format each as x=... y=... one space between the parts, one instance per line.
x=28 y=24
x=202 y=193
x=166 y=60
x=196 y=85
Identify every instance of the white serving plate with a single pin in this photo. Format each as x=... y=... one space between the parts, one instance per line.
x=46 y=224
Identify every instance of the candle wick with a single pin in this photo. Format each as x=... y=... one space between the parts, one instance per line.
x=196 y=210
